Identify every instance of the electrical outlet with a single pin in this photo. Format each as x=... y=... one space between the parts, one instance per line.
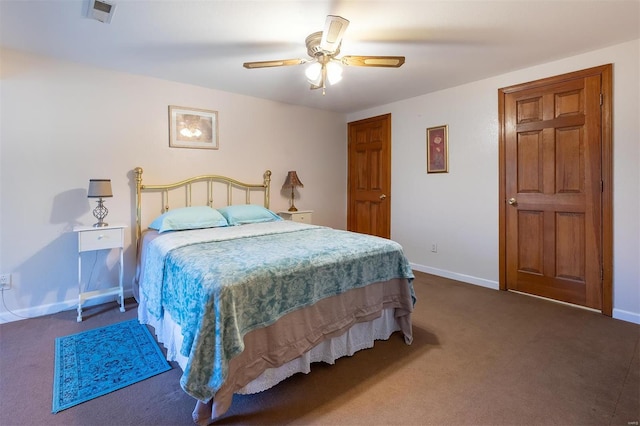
x=434 y=248
x=5 y=281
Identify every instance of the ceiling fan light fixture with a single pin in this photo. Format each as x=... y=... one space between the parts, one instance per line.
x=323 y=48
x=317 y=73
x=314 y=73
x=334 y=72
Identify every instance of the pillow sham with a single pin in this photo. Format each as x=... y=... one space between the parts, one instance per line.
x=189 y=218
x=247 y=213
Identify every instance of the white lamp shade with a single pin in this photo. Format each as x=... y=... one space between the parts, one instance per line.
x=334 y=72
x=314 y=73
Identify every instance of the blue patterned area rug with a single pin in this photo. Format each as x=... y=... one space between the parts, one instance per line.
x=95 y=362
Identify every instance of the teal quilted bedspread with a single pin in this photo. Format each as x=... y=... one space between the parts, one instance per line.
x=219 y=284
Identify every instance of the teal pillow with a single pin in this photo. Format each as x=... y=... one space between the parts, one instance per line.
x=247 y=213
x=189 y=218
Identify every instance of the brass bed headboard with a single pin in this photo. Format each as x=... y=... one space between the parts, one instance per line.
x=230 y=183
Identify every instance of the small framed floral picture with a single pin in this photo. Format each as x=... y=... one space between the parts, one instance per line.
x=438 y=149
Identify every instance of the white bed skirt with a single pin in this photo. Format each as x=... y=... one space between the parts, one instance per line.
x=360 y=336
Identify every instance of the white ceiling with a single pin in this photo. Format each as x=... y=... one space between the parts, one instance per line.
x=446 y=43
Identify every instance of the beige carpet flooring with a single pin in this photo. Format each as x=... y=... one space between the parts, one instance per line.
x=480 y=357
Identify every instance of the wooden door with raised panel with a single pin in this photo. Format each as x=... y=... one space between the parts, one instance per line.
x=369 y=176
x=553 y=188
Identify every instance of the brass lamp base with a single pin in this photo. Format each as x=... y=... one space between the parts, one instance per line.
x=293 y=206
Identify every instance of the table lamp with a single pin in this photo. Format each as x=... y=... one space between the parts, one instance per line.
x=292 y=181
x=100 y=188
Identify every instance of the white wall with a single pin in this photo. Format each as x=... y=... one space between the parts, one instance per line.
x=64 y=123
x=458 y=211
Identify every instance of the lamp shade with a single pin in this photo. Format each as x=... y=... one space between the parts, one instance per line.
x=314 y=73
x=99 y=188
x=334 y=72
x=292 y=180
x=317 y=72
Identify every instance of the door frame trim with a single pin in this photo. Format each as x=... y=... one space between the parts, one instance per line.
x=606 y=75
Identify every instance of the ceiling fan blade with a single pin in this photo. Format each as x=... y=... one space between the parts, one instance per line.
x=373 y=61
x=334 y=29
x=277 y=63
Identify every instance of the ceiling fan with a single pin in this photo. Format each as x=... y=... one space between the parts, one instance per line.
x=323 y=47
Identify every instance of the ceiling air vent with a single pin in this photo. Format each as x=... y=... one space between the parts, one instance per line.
x=101 y=10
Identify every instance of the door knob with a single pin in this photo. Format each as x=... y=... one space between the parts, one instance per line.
x=512 y=201
x=383 y=196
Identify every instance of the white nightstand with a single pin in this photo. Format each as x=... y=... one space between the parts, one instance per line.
x=104 y=238
x=302 y=216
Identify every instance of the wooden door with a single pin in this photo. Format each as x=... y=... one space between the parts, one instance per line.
x=552 y=201
x=369 y=176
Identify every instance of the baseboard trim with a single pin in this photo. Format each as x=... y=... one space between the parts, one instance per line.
x=54 y=308
x=617 y=313
x=456 y=276
x=626 y=316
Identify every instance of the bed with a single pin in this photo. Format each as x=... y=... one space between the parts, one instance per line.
x=242 y=299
